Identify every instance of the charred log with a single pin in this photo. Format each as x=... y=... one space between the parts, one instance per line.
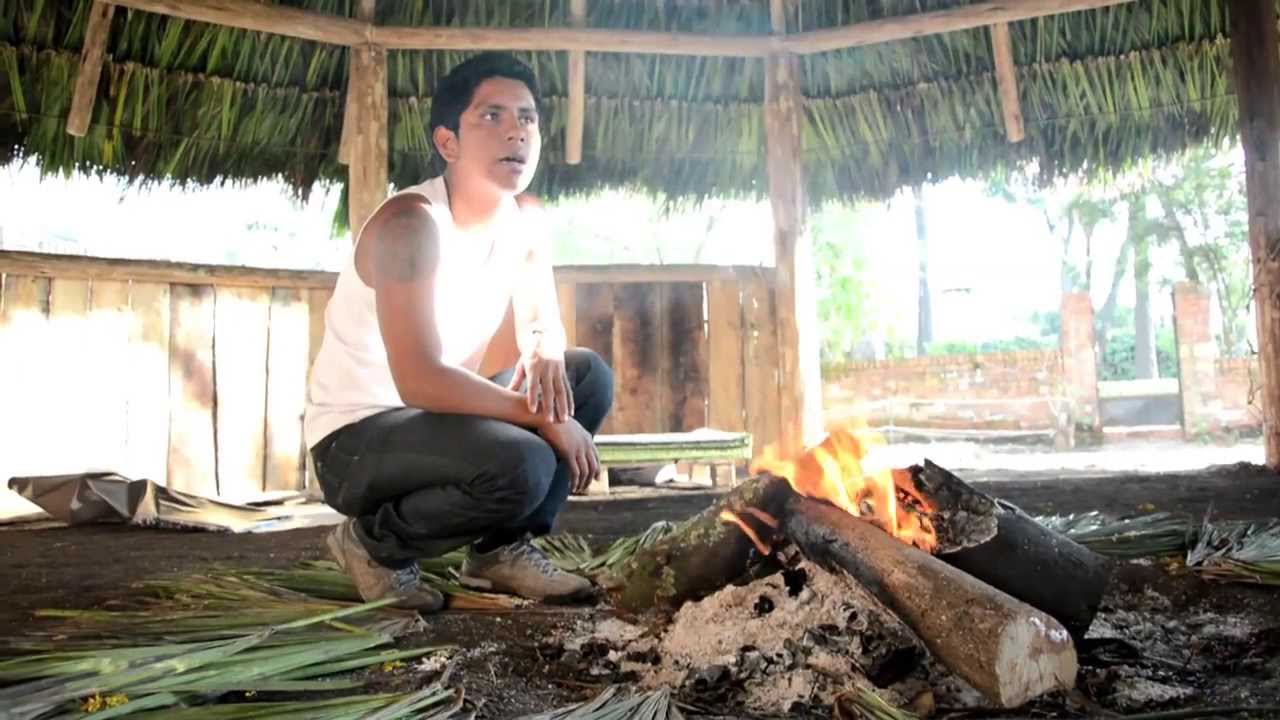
x=1040 y=567
x=1006 y=649
x=701 y=555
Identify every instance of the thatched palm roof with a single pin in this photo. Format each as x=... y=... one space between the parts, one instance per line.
x=187 y=101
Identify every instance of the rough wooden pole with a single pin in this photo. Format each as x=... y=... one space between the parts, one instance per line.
x=91 y=55
x=367 y=176
x=1007 y=80
x=798 y=372
x=364 y=12
x=577 y=89
x=1256 y=69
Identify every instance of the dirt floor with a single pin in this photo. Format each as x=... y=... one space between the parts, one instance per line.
x=1161 y=621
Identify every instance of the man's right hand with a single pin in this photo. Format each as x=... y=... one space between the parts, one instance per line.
x=574 y=445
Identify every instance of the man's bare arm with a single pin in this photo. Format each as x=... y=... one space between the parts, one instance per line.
x=405 y=259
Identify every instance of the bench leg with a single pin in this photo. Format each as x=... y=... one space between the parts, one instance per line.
x=724 y=475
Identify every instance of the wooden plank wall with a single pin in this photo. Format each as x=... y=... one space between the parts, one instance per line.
x=198 y=386
x=701 y=351
x=199 y=381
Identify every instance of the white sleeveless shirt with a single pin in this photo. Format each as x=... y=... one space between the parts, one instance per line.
x=351 y=377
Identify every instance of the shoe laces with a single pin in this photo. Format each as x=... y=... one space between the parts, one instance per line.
x=529 y=551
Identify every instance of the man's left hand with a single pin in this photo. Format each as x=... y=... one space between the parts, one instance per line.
x=547 y=392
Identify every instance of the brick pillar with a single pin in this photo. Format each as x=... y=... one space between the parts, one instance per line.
x=1197 y=359
x=1080 y=362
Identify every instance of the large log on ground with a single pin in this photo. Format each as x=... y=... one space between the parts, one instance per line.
x=1000 y=545
x=700 y=556
x=1040 y=567
x=1006 y=649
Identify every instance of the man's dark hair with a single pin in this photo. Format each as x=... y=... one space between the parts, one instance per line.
x=455 y=91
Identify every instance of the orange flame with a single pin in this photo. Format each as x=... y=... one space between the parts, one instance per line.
x=833 y=471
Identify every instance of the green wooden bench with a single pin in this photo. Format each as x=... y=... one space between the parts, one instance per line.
x=706 y=456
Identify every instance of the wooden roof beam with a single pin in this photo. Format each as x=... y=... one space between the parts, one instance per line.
x=364 y=13
x=91 y=55
x=1007 y=81
x=936 y=22
x=306 y=25
x=577 y=89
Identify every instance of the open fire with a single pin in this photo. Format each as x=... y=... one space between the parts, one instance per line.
x=836 y=471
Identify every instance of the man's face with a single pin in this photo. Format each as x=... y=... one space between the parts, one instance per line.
x=498 y=138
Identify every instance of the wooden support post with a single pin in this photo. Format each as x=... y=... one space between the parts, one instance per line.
x=91 y=55
x=800 y=383
x=364 y=12
x=577 y=89
x=1256 y=69
x=1007 y=80
x=367 y=183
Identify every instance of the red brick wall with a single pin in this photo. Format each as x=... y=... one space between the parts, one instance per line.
x=1239 y=393
x=1000 y=391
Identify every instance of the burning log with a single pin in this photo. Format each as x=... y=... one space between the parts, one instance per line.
x=1040 y=567
x=1006 y=649
x=997 y=543
x=703 y=554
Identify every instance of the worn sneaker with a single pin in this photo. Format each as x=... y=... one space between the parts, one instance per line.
x=522 y=569
x=375 y=581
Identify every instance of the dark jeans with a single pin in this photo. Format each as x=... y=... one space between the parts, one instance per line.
x=421 y=484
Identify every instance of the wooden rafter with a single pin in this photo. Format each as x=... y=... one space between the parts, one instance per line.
x=364 y=12
x=306 y=25
x=577 y=89
x=1007 y=80
x=91 y=55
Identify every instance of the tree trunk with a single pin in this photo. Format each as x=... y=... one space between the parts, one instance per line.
x=1144 y=350
x=1102 y=323
x=924 y=315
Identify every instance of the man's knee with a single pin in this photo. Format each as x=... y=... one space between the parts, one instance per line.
x=519 y=477
x=590 y=375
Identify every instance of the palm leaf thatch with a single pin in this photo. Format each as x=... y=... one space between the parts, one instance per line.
x=188 y=102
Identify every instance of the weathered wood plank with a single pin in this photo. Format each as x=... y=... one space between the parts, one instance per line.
x=193 y=464
x=761 y=362
x=64 y=370
x=637 y=401
x=288 y=342
x=566 y=294
x=74 y=267
x=147 y=433
x=686 y=356
x=109 y=408
x=727 y=407
x=317 y=302
x=241 y=319
x=92 y=52
x=24 y=310
x=594 y=330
